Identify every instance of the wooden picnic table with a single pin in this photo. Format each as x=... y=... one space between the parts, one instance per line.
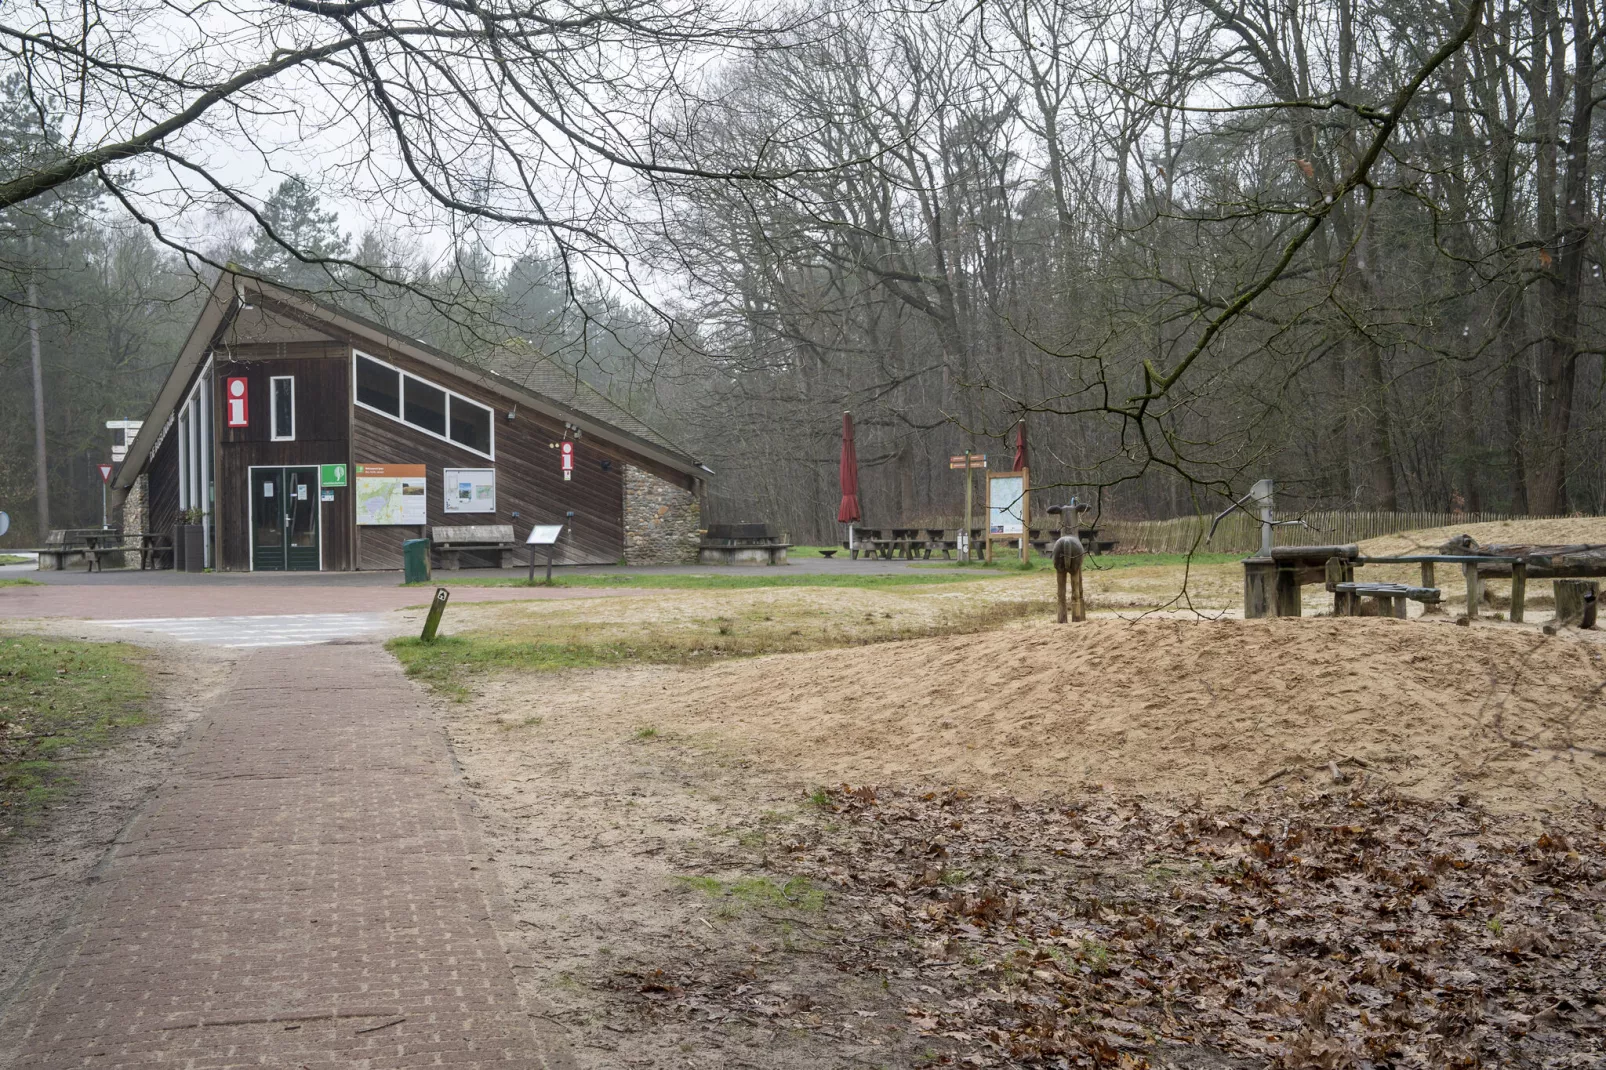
x=152 y=544
x=905 y=541
x=863 y=537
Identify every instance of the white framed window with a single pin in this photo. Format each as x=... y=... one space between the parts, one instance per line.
x=424 y=406
x=282 y=407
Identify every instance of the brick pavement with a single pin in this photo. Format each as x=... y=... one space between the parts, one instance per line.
x=306 y=890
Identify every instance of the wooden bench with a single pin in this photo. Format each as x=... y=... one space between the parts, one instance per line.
x=451 y=542
x=1389 y=598
x=742 y=544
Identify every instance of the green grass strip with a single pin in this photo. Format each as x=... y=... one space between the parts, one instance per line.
x=59 y=700
x=19 y=581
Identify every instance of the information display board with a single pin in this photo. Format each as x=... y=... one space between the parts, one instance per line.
x=392 y=494
x=1009 y=510
x=1006 y=499
x=470 y=490
x=544 y=535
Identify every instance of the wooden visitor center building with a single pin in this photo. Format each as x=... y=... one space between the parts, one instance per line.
x=305 y=437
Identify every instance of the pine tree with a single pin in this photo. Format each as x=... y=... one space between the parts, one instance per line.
x=297 y=230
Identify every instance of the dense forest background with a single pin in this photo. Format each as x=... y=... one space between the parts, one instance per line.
x=976 y=214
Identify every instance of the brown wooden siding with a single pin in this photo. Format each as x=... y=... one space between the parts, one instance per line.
x=282 y=341
x=322 y=389
x=161 y=514
x=529 y=479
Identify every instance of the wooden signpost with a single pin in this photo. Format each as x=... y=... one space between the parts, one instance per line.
x=967 y=461
x=1009 y=509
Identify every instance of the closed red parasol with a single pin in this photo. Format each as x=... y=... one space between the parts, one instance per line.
x=848 y=512
x=1020 y=447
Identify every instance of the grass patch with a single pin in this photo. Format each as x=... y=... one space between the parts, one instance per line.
x=798 y=893
x=15 y=559
x=702 y=581
x=451 y=662
x=19 y=581
x=58 y=701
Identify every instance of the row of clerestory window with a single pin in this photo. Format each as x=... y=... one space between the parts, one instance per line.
x=423 y=405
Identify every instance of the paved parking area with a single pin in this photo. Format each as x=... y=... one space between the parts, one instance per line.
x=307 y=890
x=293 y=629
x=115 y=596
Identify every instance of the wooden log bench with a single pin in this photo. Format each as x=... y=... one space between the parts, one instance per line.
x=451 y=542
x=1390 y=599
x=61 y=545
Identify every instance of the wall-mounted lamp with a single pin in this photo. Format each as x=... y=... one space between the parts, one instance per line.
x=607 y=466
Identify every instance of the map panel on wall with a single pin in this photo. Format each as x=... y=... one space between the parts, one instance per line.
x=392 y=494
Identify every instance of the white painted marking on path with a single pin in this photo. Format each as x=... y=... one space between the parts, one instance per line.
x=290 y=629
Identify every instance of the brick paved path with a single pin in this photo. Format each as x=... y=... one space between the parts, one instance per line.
x=305 y=891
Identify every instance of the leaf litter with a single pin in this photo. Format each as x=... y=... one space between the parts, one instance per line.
x=1351 y=929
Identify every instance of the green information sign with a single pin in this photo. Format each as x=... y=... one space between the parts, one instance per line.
x=332 y=475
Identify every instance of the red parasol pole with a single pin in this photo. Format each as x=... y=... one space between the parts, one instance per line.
x=848 y=512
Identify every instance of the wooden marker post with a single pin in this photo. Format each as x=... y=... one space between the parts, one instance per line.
x=433 y=621
x=1474 y=589
x=1519 y=590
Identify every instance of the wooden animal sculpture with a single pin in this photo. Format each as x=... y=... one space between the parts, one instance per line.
x=1067 y=553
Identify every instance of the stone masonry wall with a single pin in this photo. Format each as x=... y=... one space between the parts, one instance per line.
x=661 y=521
x=134 y=505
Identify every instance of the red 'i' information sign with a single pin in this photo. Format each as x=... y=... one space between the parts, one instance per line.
x=236 y=402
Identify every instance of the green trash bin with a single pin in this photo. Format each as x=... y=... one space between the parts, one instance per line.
x=415 y=560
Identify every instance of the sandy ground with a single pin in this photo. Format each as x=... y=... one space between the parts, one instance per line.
x=596 y=831
x=1587 y=529
x=1214 y=710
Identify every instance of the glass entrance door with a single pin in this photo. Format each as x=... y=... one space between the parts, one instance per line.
x=284 y=519
x=301 y=518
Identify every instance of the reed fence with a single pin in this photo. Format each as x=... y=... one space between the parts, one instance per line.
x=1240 y=532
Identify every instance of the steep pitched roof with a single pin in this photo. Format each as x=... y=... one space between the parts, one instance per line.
x=528 y=377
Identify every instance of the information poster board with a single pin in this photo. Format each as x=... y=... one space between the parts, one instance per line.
x=470 y=490
x=1006 y=500
x=392 y=494
x=1008 y=509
